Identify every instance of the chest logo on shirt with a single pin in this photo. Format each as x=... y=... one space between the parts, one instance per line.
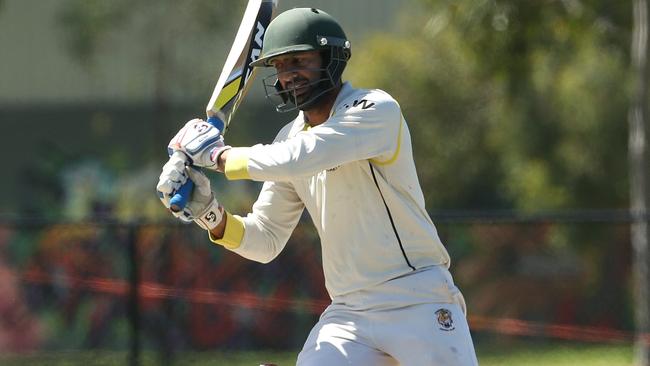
x=364 y=103
x=444 y=319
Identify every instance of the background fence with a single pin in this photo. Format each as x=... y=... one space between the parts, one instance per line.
x=163 y=287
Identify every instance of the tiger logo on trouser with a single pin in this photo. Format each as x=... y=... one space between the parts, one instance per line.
x=444 y=319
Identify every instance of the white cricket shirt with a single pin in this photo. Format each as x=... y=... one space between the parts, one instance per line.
x=356 y=177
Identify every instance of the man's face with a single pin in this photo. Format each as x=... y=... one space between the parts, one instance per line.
x=298 y=70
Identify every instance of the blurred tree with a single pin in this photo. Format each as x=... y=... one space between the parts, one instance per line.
x=512 y=104
x=161 y=29
x=157 y=34
x=637 y=120
x=160 y=24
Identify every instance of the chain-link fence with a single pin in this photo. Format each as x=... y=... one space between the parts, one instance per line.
x=164 y=287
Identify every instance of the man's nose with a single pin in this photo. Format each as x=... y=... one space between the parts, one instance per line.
x=288 y=74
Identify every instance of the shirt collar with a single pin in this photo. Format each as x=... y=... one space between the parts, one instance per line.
x=344 y=93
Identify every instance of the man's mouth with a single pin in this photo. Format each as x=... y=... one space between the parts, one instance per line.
x=299 y=86
x=300 y=89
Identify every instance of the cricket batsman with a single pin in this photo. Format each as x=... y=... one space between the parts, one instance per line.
x=347 y=159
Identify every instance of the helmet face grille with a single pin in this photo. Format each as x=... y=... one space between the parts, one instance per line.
x=287 y=100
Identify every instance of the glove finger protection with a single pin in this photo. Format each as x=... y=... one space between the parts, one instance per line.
x=200 y=141
x=173 y=174
x=202 y=207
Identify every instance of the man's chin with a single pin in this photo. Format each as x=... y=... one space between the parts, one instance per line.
x=300 y=99
x=311 y=98
x=302 y=93
x=303 y=97
x=310 y=101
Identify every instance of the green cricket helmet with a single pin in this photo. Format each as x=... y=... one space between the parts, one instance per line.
x=301 y=30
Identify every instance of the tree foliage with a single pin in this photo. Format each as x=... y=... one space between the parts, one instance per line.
x=152 y=38
x=512 y=104
x=89 y=23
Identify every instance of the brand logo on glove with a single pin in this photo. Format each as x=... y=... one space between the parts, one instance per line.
x=445 y=320
x=211 y=216
x=202 y=127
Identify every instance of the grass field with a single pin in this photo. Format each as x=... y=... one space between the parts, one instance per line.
x=513 y=353
x=557 y=354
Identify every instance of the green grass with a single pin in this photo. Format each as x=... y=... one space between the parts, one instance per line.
x=556 y=354
x=117 y=358
x=517 y=353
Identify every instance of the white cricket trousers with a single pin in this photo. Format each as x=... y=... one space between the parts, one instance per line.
x=422 y=334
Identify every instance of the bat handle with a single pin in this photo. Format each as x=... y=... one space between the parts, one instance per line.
x=179 y=200
x=217 y=123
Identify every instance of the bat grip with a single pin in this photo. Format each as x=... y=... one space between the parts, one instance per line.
x=179 y=200
x=217 y=123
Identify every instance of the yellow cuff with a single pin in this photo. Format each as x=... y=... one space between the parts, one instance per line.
x=397 y=149
x=233 y=233
x=237 y=164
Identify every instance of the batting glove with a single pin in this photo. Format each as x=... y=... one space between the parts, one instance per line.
x=173 y=174
x=201 y=142
x=202 y=207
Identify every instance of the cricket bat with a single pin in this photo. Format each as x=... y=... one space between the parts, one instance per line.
x=235 y=78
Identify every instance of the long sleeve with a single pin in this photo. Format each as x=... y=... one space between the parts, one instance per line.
x=357 y=130
x=268 y=227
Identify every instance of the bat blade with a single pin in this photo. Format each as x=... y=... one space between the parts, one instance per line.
x=236 y=75
x=235 y=78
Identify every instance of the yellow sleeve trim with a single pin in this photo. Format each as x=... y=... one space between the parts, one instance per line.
x=237 y=164
x=396 y=154
x=233 y=233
